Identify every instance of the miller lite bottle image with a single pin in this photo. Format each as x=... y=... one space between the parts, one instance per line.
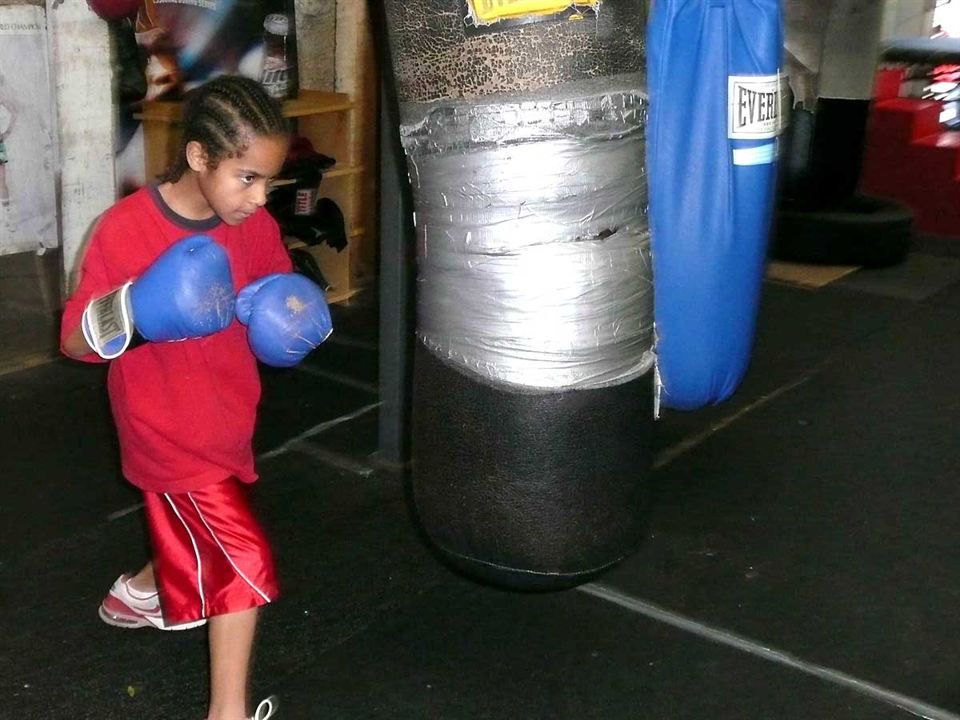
x=279 y=64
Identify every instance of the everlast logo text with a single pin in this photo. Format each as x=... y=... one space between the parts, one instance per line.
x=754 y=107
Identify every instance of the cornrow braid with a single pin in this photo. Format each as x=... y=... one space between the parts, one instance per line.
x=223 y=115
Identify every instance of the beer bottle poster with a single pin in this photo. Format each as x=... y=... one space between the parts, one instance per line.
x=181 y=43
x=28 y=209
x=184 y=42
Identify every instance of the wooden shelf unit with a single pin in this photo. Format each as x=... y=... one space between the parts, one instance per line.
x=327 y=120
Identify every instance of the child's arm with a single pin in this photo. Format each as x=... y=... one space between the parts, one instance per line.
x=186 y=292
x=75 y=345
x=286 y=314
x=93 y=280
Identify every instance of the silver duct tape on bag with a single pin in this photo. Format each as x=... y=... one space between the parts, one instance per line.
x=533 y=250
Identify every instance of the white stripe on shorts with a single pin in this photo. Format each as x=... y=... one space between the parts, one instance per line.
x=239 y=572
x=196 y=552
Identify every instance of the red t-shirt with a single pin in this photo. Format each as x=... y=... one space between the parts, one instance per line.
x=184 y=411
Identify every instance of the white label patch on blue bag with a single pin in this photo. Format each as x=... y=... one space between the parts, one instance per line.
x=760 y=155
x=755 y=107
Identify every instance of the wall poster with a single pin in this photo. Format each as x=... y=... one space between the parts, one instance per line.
x=28 y=213
x=179 y=44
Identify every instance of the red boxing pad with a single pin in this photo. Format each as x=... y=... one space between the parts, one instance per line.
x=114 y=9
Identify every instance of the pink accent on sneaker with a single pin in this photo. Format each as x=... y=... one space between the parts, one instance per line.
x=123 y=608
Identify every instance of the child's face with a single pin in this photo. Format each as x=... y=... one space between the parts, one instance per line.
x=238 y=185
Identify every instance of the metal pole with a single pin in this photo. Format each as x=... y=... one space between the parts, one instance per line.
x=396 y=276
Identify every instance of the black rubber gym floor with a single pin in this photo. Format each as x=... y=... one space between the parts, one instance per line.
x=801 y=561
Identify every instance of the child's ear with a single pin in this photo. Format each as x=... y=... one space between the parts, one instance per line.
x=196 y=156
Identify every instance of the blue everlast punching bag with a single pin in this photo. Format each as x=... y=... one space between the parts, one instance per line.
x=715 y=114
x=523 y=126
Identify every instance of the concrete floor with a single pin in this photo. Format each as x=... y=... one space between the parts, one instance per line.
x=29 y=308
x=801 y=562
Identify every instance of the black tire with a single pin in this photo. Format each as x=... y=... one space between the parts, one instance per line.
x=861 y=230
x=836 y=156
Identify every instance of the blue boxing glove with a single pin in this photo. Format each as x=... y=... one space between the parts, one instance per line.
x=186 y=293
x=286 y=317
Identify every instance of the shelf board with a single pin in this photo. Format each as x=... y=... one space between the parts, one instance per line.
x=315 y=102
x=308 y=102
x=162 y=110
x=293 y=243
x=338 y=171
x=338 y=296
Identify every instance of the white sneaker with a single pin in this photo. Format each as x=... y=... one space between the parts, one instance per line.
x=129 y=608
x=266 y=709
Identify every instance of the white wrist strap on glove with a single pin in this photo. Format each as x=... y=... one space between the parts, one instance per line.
x=107 y=323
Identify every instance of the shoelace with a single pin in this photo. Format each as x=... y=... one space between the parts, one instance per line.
x=266 y=708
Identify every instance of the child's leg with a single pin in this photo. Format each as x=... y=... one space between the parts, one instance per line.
x=144 y=580
x=212 y=559
x=231 y=645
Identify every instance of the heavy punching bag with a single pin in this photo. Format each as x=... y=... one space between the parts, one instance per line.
x=715 y=114
x=523 y=125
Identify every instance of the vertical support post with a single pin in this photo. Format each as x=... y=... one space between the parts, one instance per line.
x=80 y=61
x=396 y=316
x=851 y=46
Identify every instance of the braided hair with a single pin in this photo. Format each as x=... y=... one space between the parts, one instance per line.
x=223 y=115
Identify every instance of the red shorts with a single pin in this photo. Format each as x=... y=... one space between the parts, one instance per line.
x=210 y=555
